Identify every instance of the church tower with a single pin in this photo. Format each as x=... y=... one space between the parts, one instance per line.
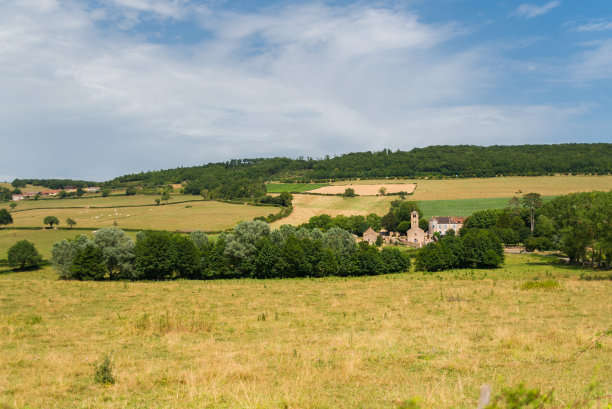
x=414 y=222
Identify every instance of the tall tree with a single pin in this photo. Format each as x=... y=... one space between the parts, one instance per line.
x=532 y=202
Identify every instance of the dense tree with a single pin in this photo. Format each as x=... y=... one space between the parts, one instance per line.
x=23 y=254
x=130 y=191
x=63 y=253
x=483 y=219
x=154 y=256
x=51 y=220
x=117 y=251
x=88 y=263
x=349 y=192
x=80 y=192
x=5 y=218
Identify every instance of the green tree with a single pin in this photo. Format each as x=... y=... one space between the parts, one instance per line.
x=51 y=220
x=63 y=252
x=80 y=192
x=532 y=202
x=63 y=194
x=106 y=192
x=374 y=221
x=23 y=254
x=5 y=218
x=382 y=191
x=349 y=192
x=186 y=257
x=88 y=263
x=13 y=205
x=165 y=197
x=70 y=222
x=130 y=191
x=117 y=251
x=403 y=226
x=154 y=256
x=205 y=193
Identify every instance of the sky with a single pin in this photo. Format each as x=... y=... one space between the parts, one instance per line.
x=94 y=89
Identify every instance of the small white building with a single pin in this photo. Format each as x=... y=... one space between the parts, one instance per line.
x=18 y=197
x=445 y=223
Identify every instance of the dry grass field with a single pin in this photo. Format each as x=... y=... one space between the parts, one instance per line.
x=367 y=190
x=448 y=189
x=180 y=216
x=307 y=206
x=303 y=343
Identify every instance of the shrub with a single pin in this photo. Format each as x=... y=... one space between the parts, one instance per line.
x=23 y=254
x=104 y=372
x=540 y=285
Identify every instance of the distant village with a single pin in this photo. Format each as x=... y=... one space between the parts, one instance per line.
x=415 y=236
x=52 y=193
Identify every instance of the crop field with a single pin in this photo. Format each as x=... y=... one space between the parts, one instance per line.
x=292 y=187
x=449 y=189
x=463 y=207
x=201 y=215
x=368 y=190
x=307 y=206
x=369 y=342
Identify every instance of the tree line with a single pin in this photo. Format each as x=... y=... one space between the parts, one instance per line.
x=251 y=250
x=245 y=178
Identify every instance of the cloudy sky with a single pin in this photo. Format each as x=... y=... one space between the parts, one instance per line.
x=100 y=88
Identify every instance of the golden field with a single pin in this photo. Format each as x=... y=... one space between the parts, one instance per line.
x=203 y=215
x=303 y=343
x=507 y=186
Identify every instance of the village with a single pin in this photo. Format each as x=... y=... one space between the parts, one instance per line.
x=52 y=193
x=415 y=236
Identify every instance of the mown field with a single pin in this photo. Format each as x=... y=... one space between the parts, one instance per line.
x=293 y=187
x=463 y=207
x=368 y=342
x=203 y=215
x=449 y=189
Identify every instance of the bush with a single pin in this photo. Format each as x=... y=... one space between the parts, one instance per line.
x=23 y=254
x=104 y=372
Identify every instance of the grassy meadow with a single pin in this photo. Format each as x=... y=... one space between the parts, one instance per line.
x=139 y=212
x=463 y=207
x=293 y=187
x=368 y=342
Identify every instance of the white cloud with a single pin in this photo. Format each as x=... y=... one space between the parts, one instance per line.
x=532 y=10
x=594 y=64
x=299 y=80
x=596 y=25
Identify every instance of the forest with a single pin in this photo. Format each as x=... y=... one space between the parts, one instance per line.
x=245 y=178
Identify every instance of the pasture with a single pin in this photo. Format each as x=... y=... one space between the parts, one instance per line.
x=368 y=342
x=292 y=187
x=367 y=190
x=209 y=216
x=463 y=207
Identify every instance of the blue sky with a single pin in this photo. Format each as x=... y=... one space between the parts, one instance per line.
x=96 y=89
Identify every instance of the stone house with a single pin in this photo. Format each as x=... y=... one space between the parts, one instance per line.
x=370 y=236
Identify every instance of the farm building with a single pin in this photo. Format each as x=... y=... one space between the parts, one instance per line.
x=370 y=236
x=18 y=197
x=443 y=224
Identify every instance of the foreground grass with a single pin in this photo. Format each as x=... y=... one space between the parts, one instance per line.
x=303 y=343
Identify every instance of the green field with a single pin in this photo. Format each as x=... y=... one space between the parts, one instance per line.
x=463 y=207
x=293 y=187
x=138 y=212
x=368 y=342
